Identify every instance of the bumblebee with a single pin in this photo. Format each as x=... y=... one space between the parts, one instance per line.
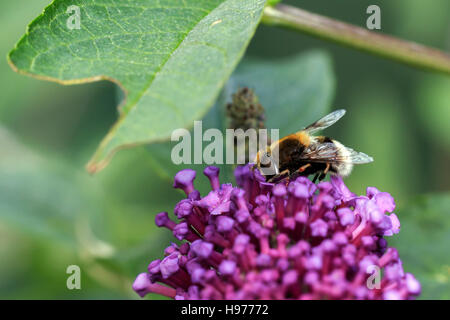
x=302 y=154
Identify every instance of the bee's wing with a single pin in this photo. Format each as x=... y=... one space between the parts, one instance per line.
x=358 y=157
x=326 y=121
x=328 y=152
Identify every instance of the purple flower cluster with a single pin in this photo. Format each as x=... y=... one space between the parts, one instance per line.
x=295 y=240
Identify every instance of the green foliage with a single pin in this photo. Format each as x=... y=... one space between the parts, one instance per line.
x=423 y=243
x=172 y=59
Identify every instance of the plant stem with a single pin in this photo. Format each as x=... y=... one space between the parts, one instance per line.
x=346 y=34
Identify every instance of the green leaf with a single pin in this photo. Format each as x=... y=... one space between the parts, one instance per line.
x=170 y=57
x=423 y=243
x=272 y=2
x=295 y=92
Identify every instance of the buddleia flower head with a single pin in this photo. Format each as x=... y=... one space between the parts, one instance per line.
x=291 y=240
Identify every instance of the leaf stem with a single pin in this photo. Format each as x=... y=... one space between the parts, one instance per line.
x=355 y=37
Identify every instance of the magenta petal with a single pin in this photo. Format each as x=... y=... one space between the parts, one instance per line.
x=385 y=202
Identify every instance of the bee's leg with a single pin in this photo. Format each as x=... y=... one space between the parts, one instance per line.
x=324 y=173
x=299 y=171
x=327 y=169
x=280 y=175
x=303 y=168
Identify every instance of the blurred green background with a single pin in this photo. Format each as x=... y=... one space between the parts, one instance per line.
x=53 y=214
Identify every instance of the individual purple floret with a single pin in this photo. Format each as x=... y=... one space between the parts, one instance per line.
x=291 y=240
